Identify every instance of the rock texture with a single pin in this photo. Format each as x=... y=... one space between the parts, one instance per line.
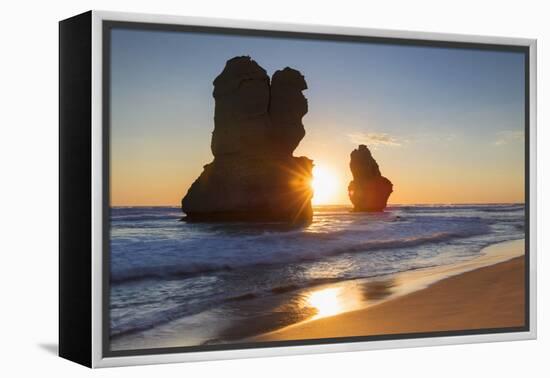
x=257 y=126
x=369 y=190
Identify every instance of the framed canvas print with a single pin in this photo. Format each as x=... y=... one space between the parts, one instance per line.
x=233 y=189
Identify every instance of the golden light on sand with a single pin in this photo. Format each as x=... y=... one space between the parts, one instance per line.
x=327 y=302
x=324 y=184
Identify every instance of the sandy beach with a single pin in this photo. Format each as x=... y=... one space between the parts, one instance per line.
x=491 y=296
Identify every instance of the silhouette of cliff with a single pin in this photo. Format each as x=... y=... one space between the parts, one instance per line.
x=369 y=190
x=257 y=126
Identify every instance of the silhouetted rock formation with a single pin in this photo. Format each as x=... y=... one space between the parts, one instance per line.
x=257 y=126
x=369 y=190
x=288 y=106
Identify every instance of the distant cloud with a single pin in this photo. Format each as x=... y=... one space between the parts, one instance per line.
x=374 y=139
x=450 y=138
x=441 y=139
x=508 y=136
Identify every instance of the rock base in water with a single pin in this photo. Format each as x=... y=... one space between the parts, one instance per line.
x=251 y=190
x=369 y=190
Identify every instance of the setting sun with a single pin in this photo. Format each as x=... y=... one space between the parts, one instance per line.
x=324 y=185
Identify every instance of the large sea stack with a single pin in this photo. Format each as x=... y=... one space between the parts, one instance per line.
x=369 y=190
x=257 y=126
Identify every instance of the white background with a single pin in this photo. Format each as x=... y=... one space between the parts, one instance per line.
x=29 y=215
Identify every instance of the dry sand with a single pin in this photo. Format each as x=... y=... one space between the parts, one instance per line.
x=488 y=297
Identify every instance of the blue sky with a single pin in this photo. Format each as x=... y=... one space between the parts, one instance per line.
x=446 y=125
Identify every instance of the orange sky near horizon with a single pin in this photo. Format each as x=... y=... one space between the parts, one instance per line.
x=422 y=174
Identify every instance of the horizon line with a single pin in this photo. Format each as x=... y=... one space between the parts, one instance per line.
x=351 y=205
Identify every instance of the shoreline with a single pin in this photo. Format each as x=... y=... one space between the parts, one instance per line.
x=485 y=292
x=301 y=313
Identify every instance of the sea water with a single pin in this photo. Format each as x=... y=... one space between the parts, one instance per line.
x=165 y=271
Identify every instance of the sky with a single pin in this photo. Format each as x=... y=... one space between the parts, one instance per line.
x=445 y=125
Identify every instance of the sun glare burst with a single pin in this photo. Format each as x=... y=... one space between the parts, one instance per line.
x=324 y=185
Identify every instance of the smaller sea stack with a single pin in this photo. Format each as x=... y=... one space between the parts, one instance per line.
x=369 y=190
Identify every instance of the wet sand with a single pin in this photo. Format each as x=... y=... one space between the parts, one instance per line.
x=471 y=297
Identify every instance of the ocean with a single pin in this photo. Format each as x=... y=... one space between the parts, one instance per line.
x=191 y=283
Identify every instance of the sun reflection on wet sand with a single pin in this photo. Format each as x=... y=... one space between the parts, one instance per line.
x=327 y=302
x=348 y=296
